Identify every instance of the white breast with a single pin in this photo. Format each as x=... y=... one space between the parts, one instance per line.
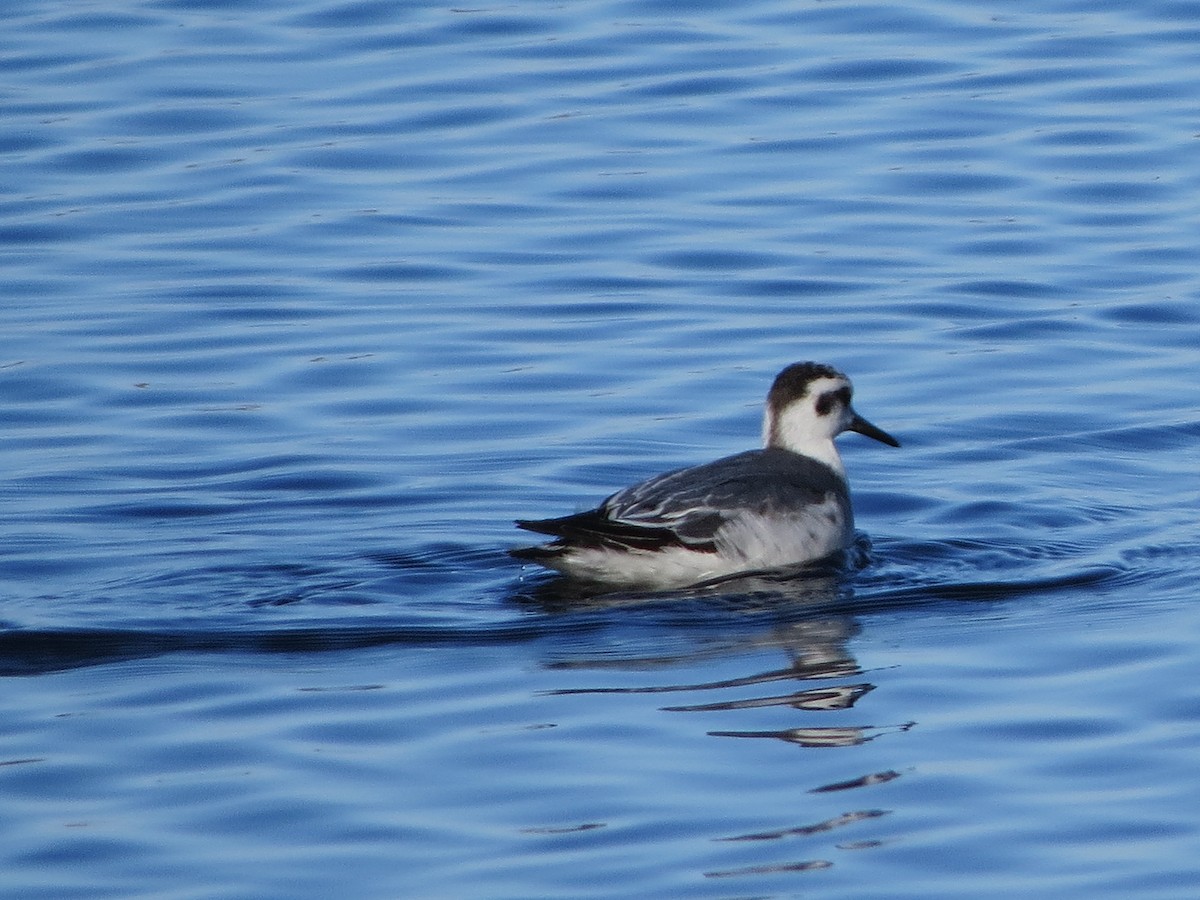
x=769 y=541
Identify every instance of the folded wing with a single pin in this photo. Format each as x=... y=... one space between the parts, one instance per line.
x=688 y=507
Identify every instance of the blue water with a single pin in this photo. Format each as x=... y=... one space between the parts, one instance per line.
x=303 y=303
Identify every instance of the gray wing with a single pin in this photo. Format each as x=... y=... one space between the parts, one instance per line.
x=692 y=504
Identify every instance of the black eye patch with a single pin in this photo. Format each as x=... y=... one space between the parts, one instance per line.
x=826 y=401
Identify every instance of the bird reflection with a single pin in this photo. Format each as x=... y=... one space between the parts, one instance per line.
x=799 y=611
x=805 y=615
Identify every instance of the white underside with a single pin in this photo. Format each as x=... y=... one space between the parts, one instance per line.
x=745 y=543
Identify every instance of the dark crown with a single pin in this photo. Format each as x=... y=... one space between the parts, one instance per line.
x=793 y=382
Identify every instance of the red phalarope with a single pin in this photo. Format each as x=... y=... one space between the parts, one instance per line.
x=787 y=504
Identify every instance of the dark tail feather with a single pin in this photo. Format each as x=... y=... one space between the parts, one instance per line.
x=593 y=529
x=553 y=527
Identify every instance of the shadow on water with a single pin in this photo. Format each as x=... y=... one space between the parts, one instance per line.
x=809 y=612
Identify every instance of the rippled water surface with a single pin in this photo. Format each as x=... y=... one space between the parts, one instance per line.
x=303 y=303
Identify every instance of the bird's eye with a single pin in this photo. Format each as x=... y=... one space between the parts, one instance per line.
x=829 y=399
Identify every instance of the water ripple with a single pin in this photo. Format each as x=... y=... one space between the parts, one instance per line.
x=306 y=302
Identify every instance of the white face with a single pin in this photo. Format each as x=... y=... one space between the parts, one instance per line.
x=808 y=424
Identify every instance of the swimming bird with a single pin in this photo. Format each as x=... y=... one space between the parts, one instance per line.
x=786 y=504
